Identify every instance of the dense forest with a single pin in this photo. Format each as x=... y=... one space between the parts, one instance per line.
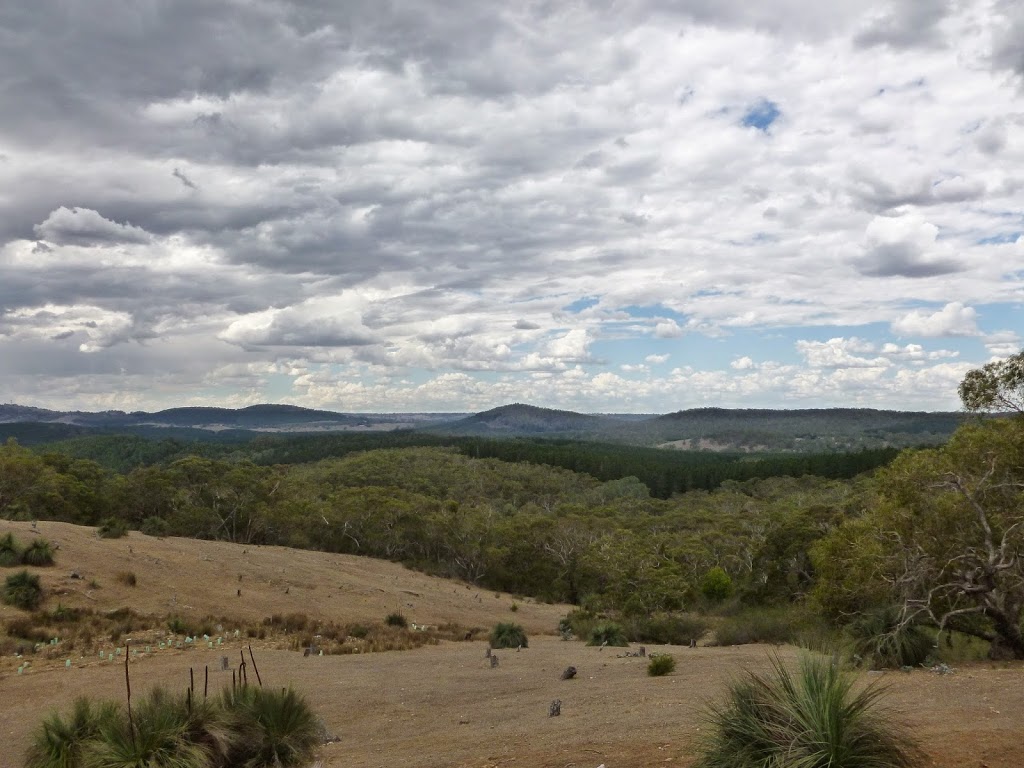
x=926 y=539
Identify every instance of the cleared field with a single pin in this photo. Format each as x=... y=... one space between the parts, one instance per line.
x=444 y=705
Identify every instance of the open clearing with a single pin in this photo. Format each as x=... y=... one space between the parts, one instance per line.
x=443 y=706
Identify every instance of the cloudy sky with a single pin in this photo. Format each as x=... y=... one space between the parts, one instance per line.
x=602 y=205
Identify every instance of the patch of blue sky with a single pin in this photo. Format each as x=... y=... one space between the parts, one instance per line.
x=1001 y=239
x=761 y=115
x=581 y=304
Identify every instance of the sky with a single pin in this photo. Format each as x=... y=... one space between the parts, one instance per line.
x=597 y=205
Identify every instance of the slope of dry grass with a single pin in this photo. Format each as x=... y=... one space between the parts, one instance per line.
x=442 y=706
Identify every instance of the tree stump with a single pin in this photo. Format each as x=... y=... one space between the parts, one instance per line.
x=555 y=708
x=569 y=673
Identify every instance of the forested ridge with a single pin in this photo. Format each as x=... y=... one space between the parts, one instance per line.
x=901 y=543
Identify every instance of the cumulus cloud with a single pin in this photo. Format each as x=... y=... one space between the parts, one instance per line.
x=418 y=192
x=954 y=319
x=84 y=226
x=906 y=247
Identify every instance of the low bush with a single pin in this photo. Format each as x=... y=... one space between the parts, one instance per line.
x=607 y=633
x=59 y=743
x=883 y=642
x=248 y=726
x=578 y=622
x=38 y=553
x=22 y=590
x=396 y=619
x=813 y=718
x=760 y=625
x=10 y=552
x=661 y=664
x=155 y=526
x=127 y=578
x=508 y=635
x=112 y=528
x=667 y=628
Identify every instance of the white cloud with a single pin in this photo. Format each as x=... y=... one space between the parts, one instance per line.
x=667 y=329
x=657 y=359
x=954 y=319
x=742 y=364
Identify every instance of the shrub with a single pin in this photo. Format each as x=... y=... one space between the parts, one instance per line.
x=579 y=622
x=396 y=619
x=112 y=528
x=38 y=553
x=881 y=640
x=273 y=727
x=661 y=665
x=126 y=577
x=759 y=625
x=811 y=718
x=155 y=526
x=716 y=585
x=22 y=590
x=58 y=743
x=166 y=733
x=667 y=629
x=607 y=633
x=507 y=635
x=10 y=552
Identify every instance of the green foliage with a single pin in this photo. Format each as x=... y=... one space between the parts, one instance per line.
x=272 y=727
x=607 y=633
x=662 y=664
x=508 y=635
x=58 y=743
x=396 y=619
x=716 y=585
x=813 y=718
x=167 y=733
x=882 y=640
x=761 y=625
x=997 y=386
x=112 y=528
x=666 y=628
x=23 y=590
x=10 y=552
x=38 y=553
x=249 y=726
x=155 y=526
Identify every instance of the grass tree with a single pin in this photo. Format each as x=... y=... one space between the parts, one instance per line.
x=813 y=717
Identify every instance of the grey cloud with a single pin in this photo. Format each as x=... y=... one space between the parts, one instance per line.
x=83 y=226
x=906 y=24
x=904 y=260
x=525 y=325
x=177 y=173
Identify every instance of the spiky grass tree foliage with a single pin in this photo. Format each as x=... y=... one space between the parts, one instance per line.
x=22 y=590
x=165 y=735
x=808 y=719
x=882 y=641
x=38 y=553
x=608 y=633
x=272 y=727
x=10 y=553
x=58 y=743
x=508 y=635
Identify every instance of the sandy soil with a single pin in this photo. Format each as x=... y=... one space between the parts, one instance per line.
x=444 y=706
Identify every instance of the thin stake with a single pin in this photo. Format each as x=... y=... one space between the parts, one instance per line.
x=191 y=680
x=254 y=667
x=206 y=681
x=188 y=700
x=128 y=685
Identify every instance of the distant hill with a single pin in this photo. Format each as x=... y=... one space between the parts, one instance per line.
x=705 y=429
x=34 y=425
x=521 y=419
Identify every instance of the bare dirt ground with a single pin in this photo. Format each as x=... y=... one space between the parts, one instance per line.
x=443 y=706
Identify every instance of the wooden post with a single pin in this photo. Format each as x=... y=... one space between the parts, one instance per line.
x=206 y=681
x=128 y=686
x=254 y=667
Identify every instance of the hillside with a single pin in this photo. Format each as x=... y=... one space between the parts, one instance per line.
x=519 y=419
x=443 y=706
